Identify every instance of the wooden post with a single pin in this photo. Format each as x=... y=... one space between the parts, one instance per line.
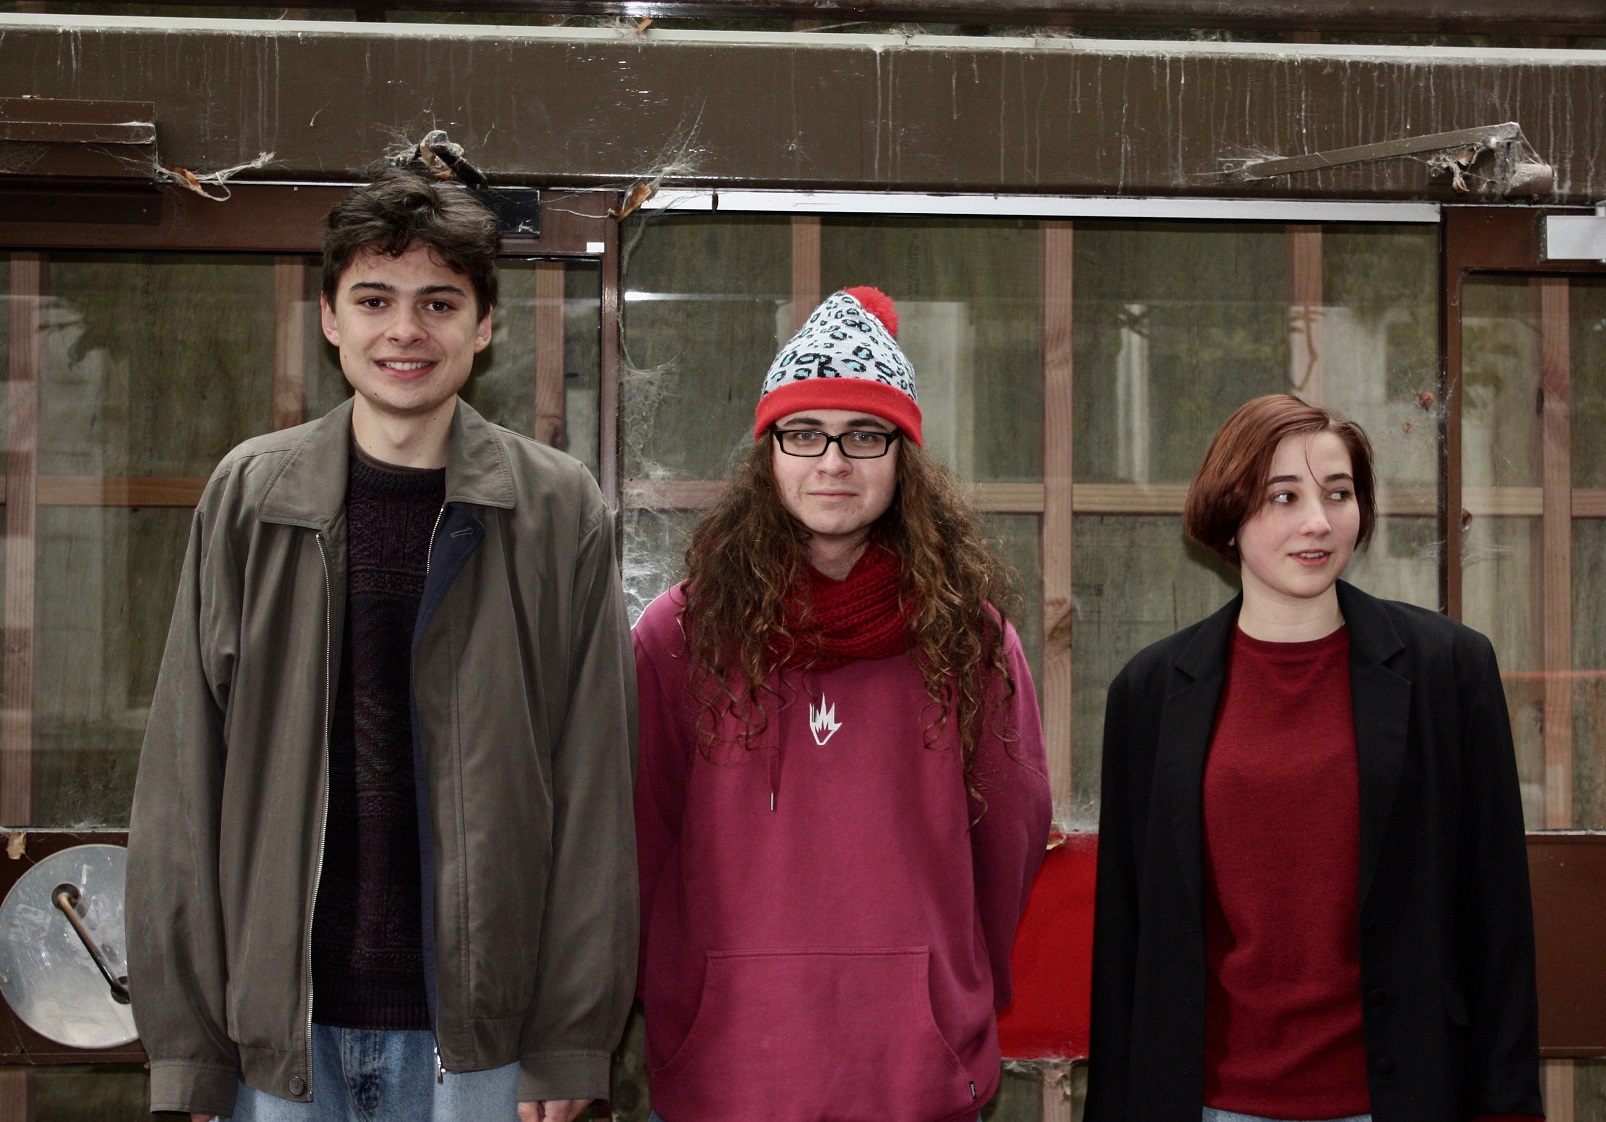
x=22 y=465
x=1558 y=1090
x=608 y=374
x=805 y=267
x=289 y=342
x=549 y=400
x=1557 y=528
x=1058 y=263
x=1057 y=274
x=1304 y=252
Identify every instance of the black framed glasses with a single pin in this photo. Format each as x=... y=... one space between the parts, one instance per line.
x=859 y=444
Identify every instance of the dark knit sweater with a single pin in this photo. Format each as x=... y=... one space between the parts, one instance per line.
x=367 y=938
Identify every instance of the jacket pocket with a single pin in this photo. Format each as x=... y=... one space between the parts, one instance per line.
x=799 y=1036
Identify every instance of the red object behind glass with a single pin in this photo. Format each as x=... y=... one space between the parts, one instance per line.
x=1052 y=963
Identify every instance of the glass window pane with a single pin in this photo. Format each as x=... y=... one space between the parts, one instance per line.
x=654 y=554
x=104 y=1092
x=1380 y=348
x=1536 y=545
x=582 y=363
x=1136 y=580
x=153 y=365
x=703 y=300
x=970 y=319
x=105 y=586
x=1174 y=326
x=1018 y=539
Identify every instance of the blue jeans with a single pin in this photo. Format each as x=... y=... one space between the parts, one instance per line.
x=373 y=1075
x=1211 y=1114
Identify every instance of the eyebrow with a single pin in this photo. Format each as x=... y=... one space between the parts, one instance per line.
x=391 y=290
x=1334 y=478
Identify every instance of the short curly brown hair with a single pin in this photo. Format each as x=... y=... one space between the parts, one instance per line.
x=1228 y=487
x=402 y=210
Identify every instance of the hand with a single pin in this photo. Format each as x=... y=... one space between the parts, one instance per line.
x=201 y=1117
x=555 y=1110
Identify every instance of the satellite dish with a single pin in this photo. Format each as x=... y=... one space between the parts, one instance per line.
x=63 y=948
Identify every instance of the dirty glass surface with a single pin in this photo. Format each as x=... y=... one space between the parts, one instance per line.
x=970 y=319
x=706 y=305
x=153 y=366
x=1175 y=325
x=149 y=367
x=1530 y=581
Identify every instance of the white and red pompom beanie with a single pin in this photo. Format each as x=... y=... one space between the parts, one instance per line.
x=844 y=357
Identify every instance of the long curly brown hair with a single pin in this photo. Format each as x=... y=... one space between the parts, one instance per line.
x=747 y=554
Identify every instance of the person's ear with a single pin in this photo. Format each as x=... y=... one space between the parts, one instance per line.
x=331 y=330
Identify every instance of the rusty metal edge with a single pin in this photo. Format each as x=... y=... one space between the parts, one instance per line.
x=1466 y=17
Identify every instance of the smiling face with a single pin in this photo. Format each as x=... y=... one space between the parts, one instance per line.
x=836 y=499
x=1294 y=547
x=408 y=329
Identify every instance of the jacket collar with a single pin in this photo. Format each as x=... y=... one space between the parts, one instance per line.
x=310 y=488
x=1380 y=695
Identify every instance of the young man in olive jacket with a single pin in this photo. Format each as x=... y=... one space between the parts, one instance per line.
x=381 y=859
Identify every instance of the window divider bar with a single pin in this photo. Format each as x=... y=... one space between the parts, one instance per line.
x=1058 y=502
x=1305 y=301
x=1056 y=687
x=28 y=279
x=608 y=375
x=806 y=280
x=550 y=414
x=289 y=342
x=1555 y=362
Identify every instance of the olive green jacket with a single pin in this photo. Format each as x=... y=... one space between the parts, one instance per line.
x=524 y=729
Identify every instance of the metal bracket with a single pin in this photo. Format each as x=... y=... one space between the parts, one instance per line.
x=1521 y=172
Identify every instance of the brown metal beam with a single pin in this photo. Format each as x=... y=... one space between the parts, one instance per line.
x=1497 y=17
x=605 y=107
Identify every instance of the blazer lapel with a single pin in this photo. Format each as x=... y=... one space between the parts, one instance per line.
x=1187 y=721
x=1381 y=698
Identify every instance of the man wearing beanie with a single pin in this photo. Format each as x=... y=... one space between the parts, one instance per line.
x=842 y=796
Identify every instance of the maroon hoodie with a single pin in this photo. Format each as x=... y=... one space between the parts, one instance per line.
x=825 y=935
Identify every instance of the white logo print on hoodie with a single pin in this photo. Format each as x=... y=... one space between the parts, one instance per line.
x=822 y=721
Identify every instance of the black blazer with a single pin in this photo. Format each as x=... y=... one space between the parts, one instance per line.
x=1446 y=939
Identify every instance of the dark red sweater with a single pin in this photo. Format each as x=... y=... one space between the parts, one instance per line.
x=1282 y=859
x=1283 y=1032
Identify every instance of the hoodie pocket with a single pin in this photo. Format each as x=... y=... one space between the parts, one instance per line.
x=799 y=1036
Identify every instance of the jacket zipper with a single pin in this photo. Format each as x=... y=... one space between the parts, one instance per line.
x=429 y=557
x=323 y=828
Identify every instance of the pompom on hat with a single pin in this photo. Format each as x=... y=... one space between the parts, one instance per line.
x=845 y=356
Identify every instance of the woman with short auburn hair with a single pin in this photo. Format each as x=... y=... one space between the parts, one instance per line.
x=1312 y=896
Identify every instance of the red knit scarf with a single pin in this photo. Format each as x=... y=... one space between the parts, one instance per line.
x=833 y=623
